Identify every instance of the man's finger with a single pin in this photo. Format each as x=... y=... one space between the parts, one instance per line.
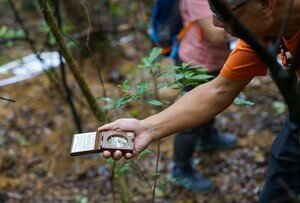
x=128 y=156
x=106 y=154
x=117 y=155
x=108 y=126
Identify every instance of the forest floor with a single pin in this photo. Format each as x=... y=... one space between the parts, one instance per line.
x=36 y=131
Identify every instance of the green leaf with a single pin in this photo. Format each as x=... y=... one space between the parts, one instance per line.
x=110 y=161
x=165 y=74
x=185 y=65
x=3 y=31
x=200 y=71
x=108 y=102
x=126 y=86
x=165 y=84
x=155 y=52
x=159 y=192
x=82 y=199
x=20 y=33
x=9 y=44
x=242 y=102
x=124 y=168
x=201 y=77
x=22 y=140
x=279 y=106
x=192 y=83
x=6 y=32
x=155 y=174
x=155 y=102
x=106 y=99
x=174 y=68
x=176 y=85
x=189 y=74
x=178 y=77
x=143 y=154
x=119 y=102
x=114 y=8
x=71 y=44
x=142 y=87
x=147 y=62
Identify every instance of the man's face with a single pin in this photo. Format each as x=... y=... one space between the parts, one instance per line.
x=249 y=12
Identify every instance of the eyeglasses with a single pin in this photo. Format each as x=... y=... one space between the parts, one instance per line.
x=235 y=8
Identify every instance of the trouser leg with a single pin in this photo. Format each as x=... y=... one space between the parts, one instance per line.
x=185 y=143
x=283 y=176
x=184 y=147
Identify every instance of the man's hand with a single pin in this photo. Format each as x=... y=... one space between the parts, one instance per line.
x=141 y=140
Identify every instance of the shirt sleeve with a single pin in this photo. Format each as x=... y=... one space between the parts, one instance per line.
x=243 y=63
x=196 y=9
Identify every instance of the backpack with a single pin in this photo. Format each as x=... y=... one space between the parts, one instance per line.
x=166 y=28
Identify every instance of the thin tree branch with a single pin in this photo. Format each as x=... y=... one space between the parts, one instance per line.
x=30 y=41
x=70 y=61
x=89 y=29
x=69 y=99
x=154 y=78
x=142 y=174
x=22 y=24
x=10 y=100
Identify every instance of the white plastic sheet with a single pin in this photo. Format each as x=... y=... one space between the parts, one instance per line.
x=28 y=67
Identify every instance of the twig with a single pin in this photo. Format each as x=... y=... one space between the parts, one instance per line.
x=142 y=174
x=70 y=61
x=156 y=172
x=22 y=24
x=89 y=51
x=63 y=73
x=10 y=100
x=113 y=168
x=89 y=30
x=89 y=23
x=30 y=41
x=154 y=77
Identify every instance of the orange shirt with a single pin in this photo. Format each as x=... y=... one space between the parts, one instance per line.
x=243 y=63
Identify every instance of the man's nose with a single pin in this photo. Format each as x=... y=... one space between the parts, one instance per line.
x=217 y=22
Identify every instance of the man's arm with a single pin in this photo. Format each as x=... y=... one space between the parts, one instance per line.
x=195 y=107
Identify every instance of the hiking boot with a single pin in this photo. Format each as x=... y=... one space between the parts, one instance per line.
x=217 y=141
x=190 y=179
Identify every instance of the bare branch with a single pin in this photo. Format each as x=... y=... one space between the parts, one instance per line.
x=10 y=100
x=25 y=29
x=70 y=61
